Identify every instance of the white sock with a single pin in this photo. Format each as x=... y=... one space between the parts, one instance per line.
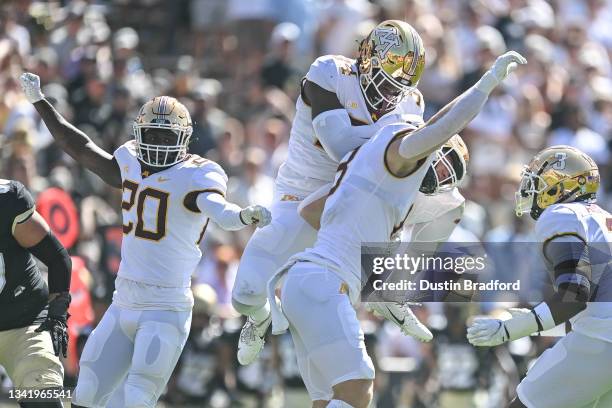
x=335 y=403
x=261 y=314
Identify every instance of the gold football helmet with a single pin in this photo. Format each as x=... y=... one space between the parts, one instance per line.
x=391 y=62
x=454 y=157
x=165 y=113
x=557 y=174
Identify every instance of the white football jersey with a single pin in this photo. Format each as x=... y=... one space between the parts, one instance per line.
x=162 y=225
x=428 y=211
x=593 y=225
x=307 y=166
x=366 y=204
x=429 y=207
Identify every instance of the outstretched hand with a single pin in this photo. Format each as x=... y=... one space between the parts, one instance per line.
x=506 y=63
x=30 y=84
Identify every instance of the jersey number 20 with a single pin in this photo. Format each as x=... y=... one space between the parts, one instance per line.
x=146 y=194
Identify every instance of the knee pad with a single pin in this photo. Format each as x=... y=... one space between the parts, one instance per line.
x=156 y=350
x=335 y=403
x=140 y=393
x=86 y=388
x=246 y=310
x=250 y=285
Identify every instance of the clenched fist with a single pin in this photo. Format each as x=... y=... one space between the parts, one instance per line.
x=256 y=214
x=30 y=83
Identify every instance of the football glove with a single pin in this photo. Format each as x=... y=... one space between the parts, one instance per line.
x=55 y=323
x=30 y=84
x=256 y=214
x=506 y=63
x=503 y=66
x=489 y=332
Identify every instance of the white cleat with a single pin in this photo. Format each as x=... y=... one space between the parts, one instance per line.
x=251 y=340
x=401 y=315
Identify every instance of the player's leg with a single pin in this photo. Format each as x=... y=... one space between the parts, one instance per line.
x=30 y=363
x=326 y=322
x=106 y=357
x=159 y=340
x=573 y=373
x=268 y=249
x=319 y=392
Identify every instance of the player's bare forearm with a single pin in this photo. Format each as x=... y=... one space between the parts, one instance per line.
x=78 y=145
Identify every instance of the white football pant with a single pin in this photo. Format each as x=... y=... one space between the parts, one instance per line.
x=269 y=249
x=143 y=345
x=574 y=373
x=329 y=342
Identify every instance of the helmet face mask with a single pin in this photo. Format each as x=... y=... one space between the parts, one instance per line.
x=448 y=168
x=155 y=146
x=558 y=174
x=531 y=185
x=391 y=62
x=381 y=92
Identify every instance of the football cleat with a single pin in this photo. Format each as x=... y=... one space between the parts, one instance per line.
x=401 y=315
x=251 y=340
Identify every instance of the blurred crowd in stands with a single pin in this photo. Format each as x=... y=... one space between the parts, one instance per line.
x=237 y=66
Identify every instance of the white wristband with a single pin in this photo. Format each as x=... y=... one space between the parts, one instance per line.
x=487 y=83
x=544 y=314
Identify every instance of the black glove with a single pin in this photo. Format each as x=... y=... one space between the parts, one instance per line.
x=55 y=323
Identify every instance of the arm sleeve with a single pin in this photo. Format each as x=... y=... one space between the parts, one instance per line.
x=438 y=229
x=337 y=136
x=53 y=254
x=461 y=111
x=222 y=212
x=571 y=265
x=566 y=253
x=22 y=206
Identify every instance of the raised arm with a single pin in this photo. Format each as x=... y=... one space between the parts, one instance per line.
x=403 y=154
x=74 y=142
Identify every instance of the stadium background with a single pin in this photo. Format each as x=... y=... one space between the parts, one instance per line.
x=236 y=64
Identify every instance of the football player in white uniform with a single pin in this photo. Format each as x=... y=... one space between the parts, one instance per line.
x=437 y=209
x=558 y=189
x=373 y=192
x=343 y=103
x=169 y=197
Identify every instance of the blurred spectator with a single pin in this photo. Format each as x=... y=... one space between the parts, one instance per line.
x=277 y=68
x=237 y=66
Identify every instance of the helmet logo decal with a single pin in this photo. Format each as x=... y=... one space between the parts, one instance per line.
x=560 y=163
x=387 y=37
